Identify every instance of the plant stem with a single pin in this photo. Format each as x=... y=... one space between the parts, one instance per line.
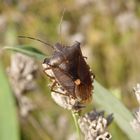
x=75 y=117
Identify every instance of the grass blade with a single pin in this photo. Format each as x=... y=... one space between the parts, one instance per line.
x=9 y=129
x=27 y=50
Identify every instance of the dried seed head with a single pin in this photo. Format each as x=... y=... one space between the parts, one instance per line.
x=136 y=122
x=94 y=124
x=63 y=100
x=25 y=105
x=104 y=136
x=137 y=92
x=22 y=73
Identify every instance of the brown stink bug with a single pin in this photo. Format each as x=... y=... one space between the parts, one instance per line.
x=70 y=74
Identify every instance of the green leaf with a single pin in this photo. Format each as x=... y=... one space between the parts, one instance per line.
x=122 y=115
x=9 y=129
x=28 y=50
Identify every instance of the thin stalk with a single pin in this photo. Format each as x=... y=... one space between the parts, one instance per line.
x=75 y=117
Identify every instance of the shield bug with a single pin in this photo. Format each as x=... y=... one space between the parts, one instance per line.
x=70 y=75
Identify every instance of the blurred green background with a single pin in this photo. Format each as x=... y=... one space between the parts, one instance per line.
x=109 y=32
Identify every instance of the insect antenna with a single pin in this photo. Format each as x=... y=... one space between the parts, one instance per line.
x=60 y=27
x=37 y=40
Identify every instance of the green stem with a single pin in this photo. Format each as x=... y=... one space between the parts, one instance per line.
x=75 y=117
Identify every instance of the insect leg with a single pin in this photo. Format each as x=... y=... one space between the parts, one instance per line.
x=59 y=92
x=49 y=75
x=62 y=70
x=54 y=85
